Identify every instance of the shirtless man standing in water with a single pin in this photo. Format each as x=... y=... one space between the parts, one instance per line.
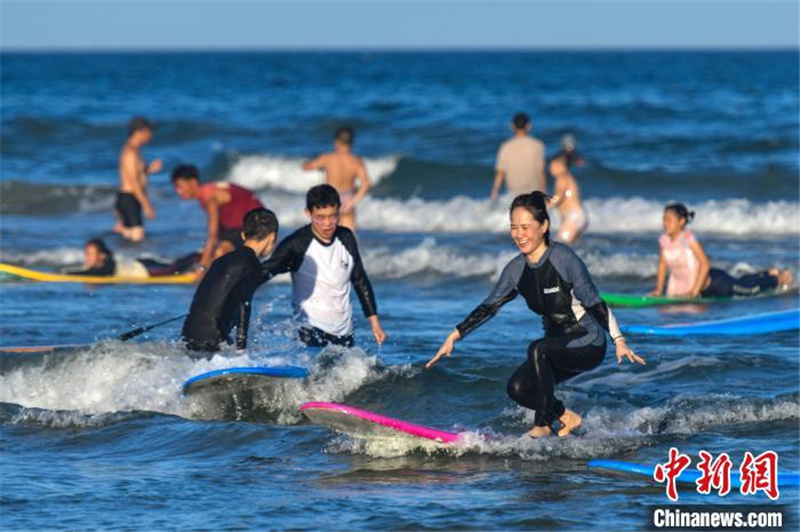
x=132 y=196
x=342 y=168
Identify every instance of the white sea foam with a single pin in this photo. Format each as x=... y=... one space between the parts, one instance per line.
x=605 y=431
x=113 y=377
x=258 y=172
x=461 y=214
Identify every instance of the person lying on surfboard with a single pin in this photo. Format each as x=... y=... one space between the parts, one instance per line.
x=325 y=263
x=690 y=271
x=99 y=261
x=555 y=284
x=223 y=298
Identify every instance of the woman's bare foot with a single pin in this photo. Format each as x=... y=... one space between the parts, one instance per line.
x=569 y=422
x=538 y=432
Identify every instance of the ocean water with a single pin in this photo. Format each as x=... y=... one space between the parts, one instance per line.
x=100 y=437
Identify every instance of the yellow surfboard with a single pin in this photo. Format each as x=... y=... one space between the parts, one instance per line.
x=33 y=275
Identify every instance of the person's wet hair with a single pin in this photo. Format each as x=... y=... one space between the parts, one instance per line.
x=681 y=211
x=322 y=196
x=99 y=245
x=138 y=123
x=259 y=224
x=185 y=171
x=345 y=135
x=521 y=121
x=536 y=204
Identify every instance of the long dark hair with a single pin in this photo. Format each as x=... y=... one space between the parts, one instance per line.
x=536 y=204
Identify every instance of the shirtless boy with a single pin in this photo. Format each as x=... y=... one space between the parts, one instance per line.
x=342 y=168
x=132 y=196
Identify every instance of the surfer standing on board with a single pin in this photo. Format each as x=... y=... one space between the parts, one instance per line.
x=132 y=196
x=325 y=263
x=342 y=168
x=555 y=284
x=690 y=271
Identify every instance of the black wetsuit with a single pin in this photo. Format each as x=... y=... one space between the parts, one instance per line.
x=129 y=209
x=222 y=301
x=575 y=321
x=322 y=275
x=723 y=284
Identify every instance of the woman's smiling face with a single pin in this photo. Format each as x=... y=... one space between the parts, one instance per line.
x=526 y=232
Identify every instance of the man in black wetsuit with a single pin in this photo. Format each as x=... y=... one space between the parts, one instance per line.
x=224 y=296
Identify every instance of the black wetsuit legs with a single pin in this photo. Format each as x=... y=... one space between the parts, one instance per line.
x=722 y=284
x=551 y=360
x=314 y=337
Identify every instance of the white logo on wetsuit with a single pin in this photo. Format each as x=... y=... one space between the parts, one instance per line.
x=552 y=290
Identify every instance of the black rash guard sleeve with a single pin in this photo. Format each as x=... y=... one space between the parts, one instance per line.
x=289 y=254
x=244 y=324
x=504 y=291
x=359 y=276
x=576 y=273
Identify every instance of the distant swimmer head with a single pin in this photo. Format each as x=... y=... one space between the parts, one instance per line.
x=322 y=206
x=345 y=135
x=567 y=157
x=139 y=125
x=95 y=253
x=260 y=227
x=530 y=223
x=186 y=180
x=521 y=122
x=676 y=217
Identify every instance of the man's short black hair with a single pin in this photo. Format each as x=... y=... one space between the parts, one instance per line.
x=259 y=224
x=322 y=196
x=345 y=135
x=185 y=171
x=139 y=123
x=521 y=121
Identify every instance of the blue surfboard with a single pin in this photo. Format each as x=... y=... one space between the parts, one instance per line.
x=785 y=478
x=786 y=320
x=248 y=377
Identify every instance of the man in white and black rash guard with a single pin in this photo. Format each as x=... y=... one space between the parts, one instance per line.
x=324 y=261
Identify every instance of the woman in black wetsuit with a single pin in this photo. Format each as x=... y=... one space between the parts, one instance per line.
x=556 y=285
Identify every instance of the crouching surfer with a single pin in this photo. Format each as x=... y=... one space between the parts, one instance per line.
x=555 y=284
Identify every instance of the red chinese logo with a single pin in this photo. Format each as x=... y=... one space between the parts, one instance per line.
x=671 y=471
x=760 y=474
x=716 y=474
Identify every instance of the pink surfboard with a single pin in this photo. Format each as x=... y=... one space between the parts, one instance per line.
x=366 y=424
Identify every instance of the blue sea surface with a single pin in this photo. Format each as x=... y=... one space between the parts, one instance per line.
x=101 y=437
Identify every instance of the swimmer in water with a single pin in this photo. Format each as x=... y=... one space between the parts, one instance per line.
x=225 y=204
x=690 y=271
x=342 y=168
x=556 y=285
x=567 y=193
x=98 y=260
x=223 y=298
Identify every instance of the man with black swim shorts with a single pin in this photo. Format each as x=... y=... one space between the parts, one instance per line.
x=132 y=196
